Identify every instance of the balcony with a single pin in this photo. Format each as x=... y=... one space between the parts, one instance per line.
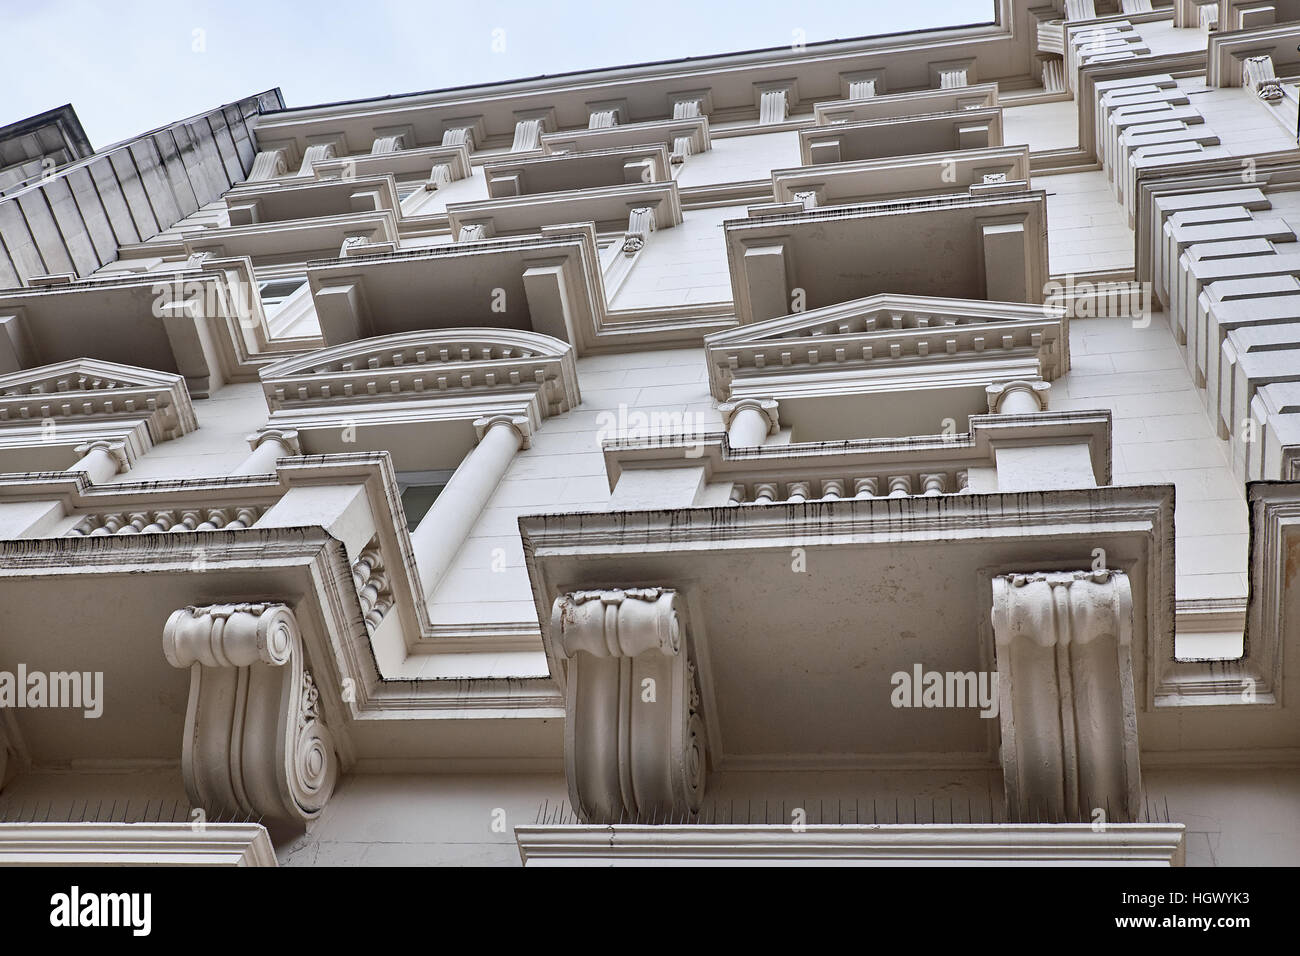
x=716 y=607
x=836 y=184
x=589 y=169
x=285 y=202
x=971 y=247
x=902 y=136
x=206 y=325
x=976 y=96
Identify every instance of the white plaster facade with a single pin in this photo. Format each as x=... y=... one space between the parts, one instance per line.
x=745 y=385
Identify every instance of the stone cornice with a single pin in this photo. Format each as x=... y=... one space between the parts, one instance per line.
x=937 y=843
x=813 y=461
x=135 y=844
x=165 y=310
x=700 y=545
x=1089 y=76
x=304 y=563
x=1005 y=48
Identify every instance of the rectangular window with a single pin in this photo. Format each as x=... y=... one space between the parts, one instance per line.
x=275 y=292
x=420 y=489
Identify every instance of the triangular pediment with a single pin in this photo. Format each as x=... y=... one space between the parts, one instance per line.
x=84 y=375
x=883 y=312
x=898 y=330
x=84 y=389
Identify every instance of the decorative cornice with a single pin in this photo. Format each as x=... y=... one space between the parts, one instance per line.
x=937 y=843
x=845 y=462
x=135 y=844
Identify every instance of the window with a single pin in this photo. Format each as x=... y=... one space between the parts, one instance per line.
x=419 y=490
x=275 y=292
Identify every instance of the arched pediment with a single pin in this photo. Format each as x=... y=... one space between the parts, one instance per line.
x=426 y=363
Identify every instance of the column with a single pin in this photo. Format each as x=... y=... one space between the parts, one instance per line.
x=101 y=460
x=750 y=421
x=1018 y=398
x=267 y=447
x=438 y=537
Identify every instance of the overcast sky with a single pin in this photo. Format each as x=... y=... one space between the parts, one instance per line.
x=130 y=66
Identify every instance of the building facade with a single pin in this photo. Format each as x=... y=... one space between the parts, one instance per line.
x=880 y=450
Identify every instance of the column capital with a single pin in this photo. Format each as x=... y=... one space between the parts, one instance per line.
x=999 y=393
x=114 y=449
x=519 y=423
x=769 y=408
x=288 y=437
x=272 y=756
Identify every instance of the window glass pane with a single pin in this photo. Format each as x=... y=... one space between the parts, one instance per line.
x=275 y=291
x=417 y=500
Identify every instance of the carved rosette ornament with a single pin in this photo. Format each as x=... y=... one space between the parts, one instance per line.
x=255 y=741
x=634 y=745
x=1066 y=702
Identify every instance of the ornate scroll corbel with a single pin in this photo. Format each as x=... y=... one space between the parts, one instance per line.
x=634 y=746
x=1066 y=703
x=255 y=741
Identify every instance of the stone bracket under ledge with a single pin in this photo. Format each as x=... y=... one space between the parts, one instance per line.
x=255 y=741
x=1067 y=708
x=634 y=742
